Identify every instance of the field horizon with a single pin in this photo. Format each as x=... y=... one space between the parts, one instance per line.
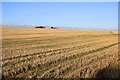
x=66 y=28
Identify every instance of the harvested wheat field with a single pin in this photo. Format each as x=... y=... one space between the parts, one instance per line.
x=59 y=53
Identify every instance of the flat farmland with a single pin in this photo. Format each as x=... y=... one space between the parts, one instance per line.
x=59 y=53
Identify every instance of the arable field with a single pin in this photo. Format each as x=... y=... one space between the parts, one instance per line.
x=59 y=53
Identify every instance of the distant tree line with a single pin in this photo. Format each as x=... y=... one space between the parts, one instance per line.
x=53 y=27
x=40 y=27
x=45 y=27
